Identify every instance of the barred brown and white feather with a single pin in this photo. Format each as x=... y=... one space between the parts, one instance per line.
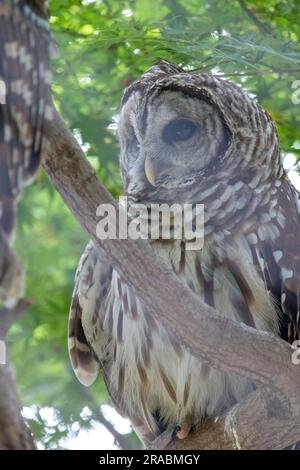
x=26 y=80
x=194 y=138
x=25 y=103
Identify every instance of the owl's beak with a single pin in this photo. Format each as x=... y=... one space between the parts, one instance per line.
x=150 y=171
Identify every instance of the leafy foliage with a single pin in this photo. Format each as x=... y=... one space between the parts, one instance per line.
x=103 y=46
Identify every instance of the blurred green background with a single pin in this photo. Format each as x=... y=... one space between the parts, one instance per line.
x=103 y=46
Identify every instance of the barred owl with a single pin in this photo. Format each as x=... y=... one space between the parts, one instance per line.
x=25 y=106
x=191 y=138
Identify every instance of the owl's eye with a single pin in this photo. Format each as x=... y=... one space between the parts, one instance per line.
x=179 y=130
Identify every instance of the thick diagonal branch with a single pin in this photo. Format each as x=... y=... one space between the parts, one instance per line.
x=263 y=421
x=215 y=339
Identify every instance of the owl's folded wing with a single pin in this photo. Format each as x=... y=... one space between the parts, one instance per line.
x=281 y=261
x=96 y=326
x=92 y=280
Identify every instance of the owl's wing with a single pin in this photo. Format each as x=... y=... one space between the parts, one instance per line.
x=86 y=296
x=280 y=254
x=25 y=97
x=100 y=302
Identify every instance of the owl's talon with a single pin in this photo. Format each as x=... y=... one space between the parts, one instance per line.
x=175 y=431
x=181 y=432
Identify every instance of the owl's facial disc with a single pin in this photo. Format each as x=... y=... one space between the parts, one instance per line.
x=168 y=139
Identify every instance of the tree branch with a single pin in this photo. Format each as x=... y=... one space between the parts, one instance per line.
x=264 y=28
x=263 y=421
x=258 y=72
x=121 y=440
x=14 y=433
x=9 y=316
x=215 y=339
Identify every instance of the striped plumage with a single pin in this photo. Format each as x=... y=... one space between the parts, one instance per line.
x=25 y=90
x=249 y=267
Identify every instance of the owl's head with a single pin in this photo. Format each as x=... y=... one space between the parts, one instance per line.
x=179 y=130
